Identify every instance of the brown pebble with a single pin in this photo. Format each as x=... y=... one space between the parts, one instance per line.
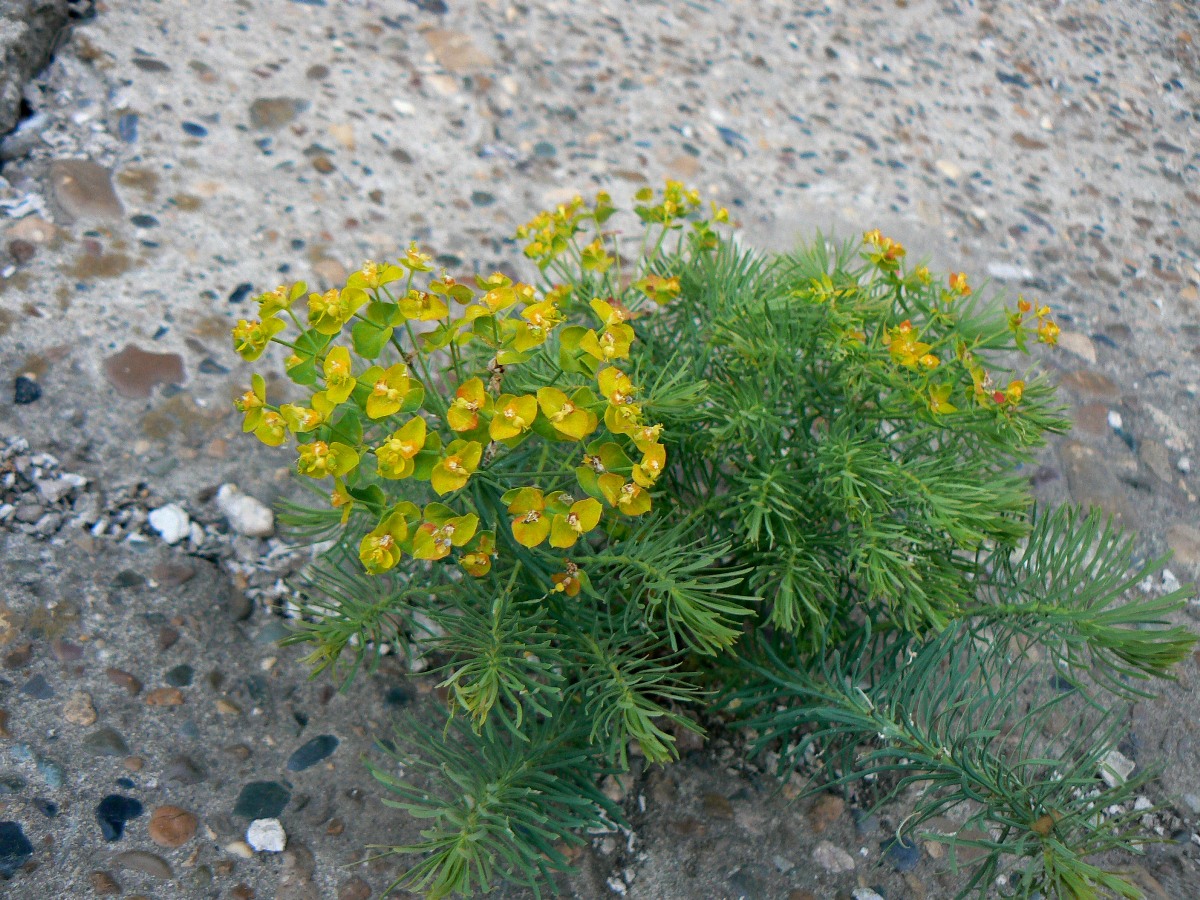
x=317 y=72
x=165 y=696
x=717 y=806
x=104 y=884
x=134 y=372
x=142 y=861
x=171 y=826
x=354 y=889
x=121 y=678
x=134 y=763
x=228 y=708
x=801 y=894
x=64 y=651
x=171 y=574
x=78 y=709
x=1081 y=381
x=167 y=637
x=242 y=892
x=335 y=827
x=323 y=164
x=223 y=867
x=4 y=732
x=18 y=656
x=238 y=751
x=827 y=809
x=21 y=251
x=84 y=190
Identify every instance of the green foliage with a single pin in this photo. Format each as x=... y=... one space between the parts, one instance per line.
x=695 y=474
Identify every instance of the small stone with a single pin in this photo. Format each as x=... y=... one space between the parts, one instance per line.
x=242 y=892
x=172 y=574
x=311 y=753
x=106 y=742
x=323 y=164
x=4 y=732
x=717 y=807
x=167 y=638
x=262 y=800
x=84 y=190
x=141 y=861
x=827 y=809
x=1083 y=381
x=135 y=372
x=171 y=522
x=184 y=770
x=65 y=651
x=113 y=812
x=26 y=390
x=1184 y=541
x=171 y=826
x=15 y=848
x=180 y=676
x=1008 y=272
x=266 y=836
x=241 y=292
x=240 y=848
x=1079 y=344
x=455 y=51
x=104 y=884
x=38 y=688
x=52 y=773
x=832 y=858
x=121 y=678
x=78 y=710
x=354 y=889
x=245 y=514
x=165 y=696
x=1116 y=767
x=194 y=129
x=904 y=854
x=127 y=128
x=19 y=656
x=22 y=251
x=273 y=113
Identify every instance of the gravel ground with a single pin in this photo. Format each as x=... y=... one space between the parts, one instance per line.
x=178 y=158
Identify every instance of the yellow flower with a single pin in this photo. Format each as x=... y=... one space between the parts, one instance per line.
x=339 y=498
x=456 y=467
x=339 y=381
x=939 y=399
x=415 y=260
x=568 y=419
x=477 y=561
x=903 y=345
x=530 y=525
x=271 y=429
x=568 y=582
x=541 y=319
x=568 y=527
x=250 y=339
x=328 y=312
x=470 y=400
x=513 y=416
x=958 y=284
x=595 y=258
x=630 y=498
x=659 y=288
x=654 y=459
x=394 y=457
x=300 y=420
x=320 y=459
x=252 y=403
x=1048 y=332
x=372 y=275
x=441 y=531
x=379 y=550
x=622 y=415
x=610 y=311
x=1014 y=392
x=929 y=361
x=612 y=343
x=278 y=300
x=423 y=306
x=390 y=387
x=646 y=436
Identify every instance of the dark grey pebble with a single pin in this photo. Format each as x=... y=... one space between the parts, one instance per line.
x=106 y=742
x=47 y=808
x=113 y=812
x=544 y=150
x=180 y=676
x=311 y=753
x=142 y=220
x=185 y=770
x=437 y=7
x=239 y=293
x=11 y=784
x=127 y=128
x=482 y=198
x=262 y=800
x=903 y=854
x=195 y=129
x=209 y=366
x=26 y=390
x=14 y=848
x=38 y=688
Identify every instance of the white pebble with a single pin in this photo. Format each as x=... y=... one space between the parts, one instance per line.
x=266 y=836
x=1184 y=465
x=1114 y=420
x=171 y=523
x=832 y=858
x=1116 y=768
x=240 y=848
x=245 y=514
